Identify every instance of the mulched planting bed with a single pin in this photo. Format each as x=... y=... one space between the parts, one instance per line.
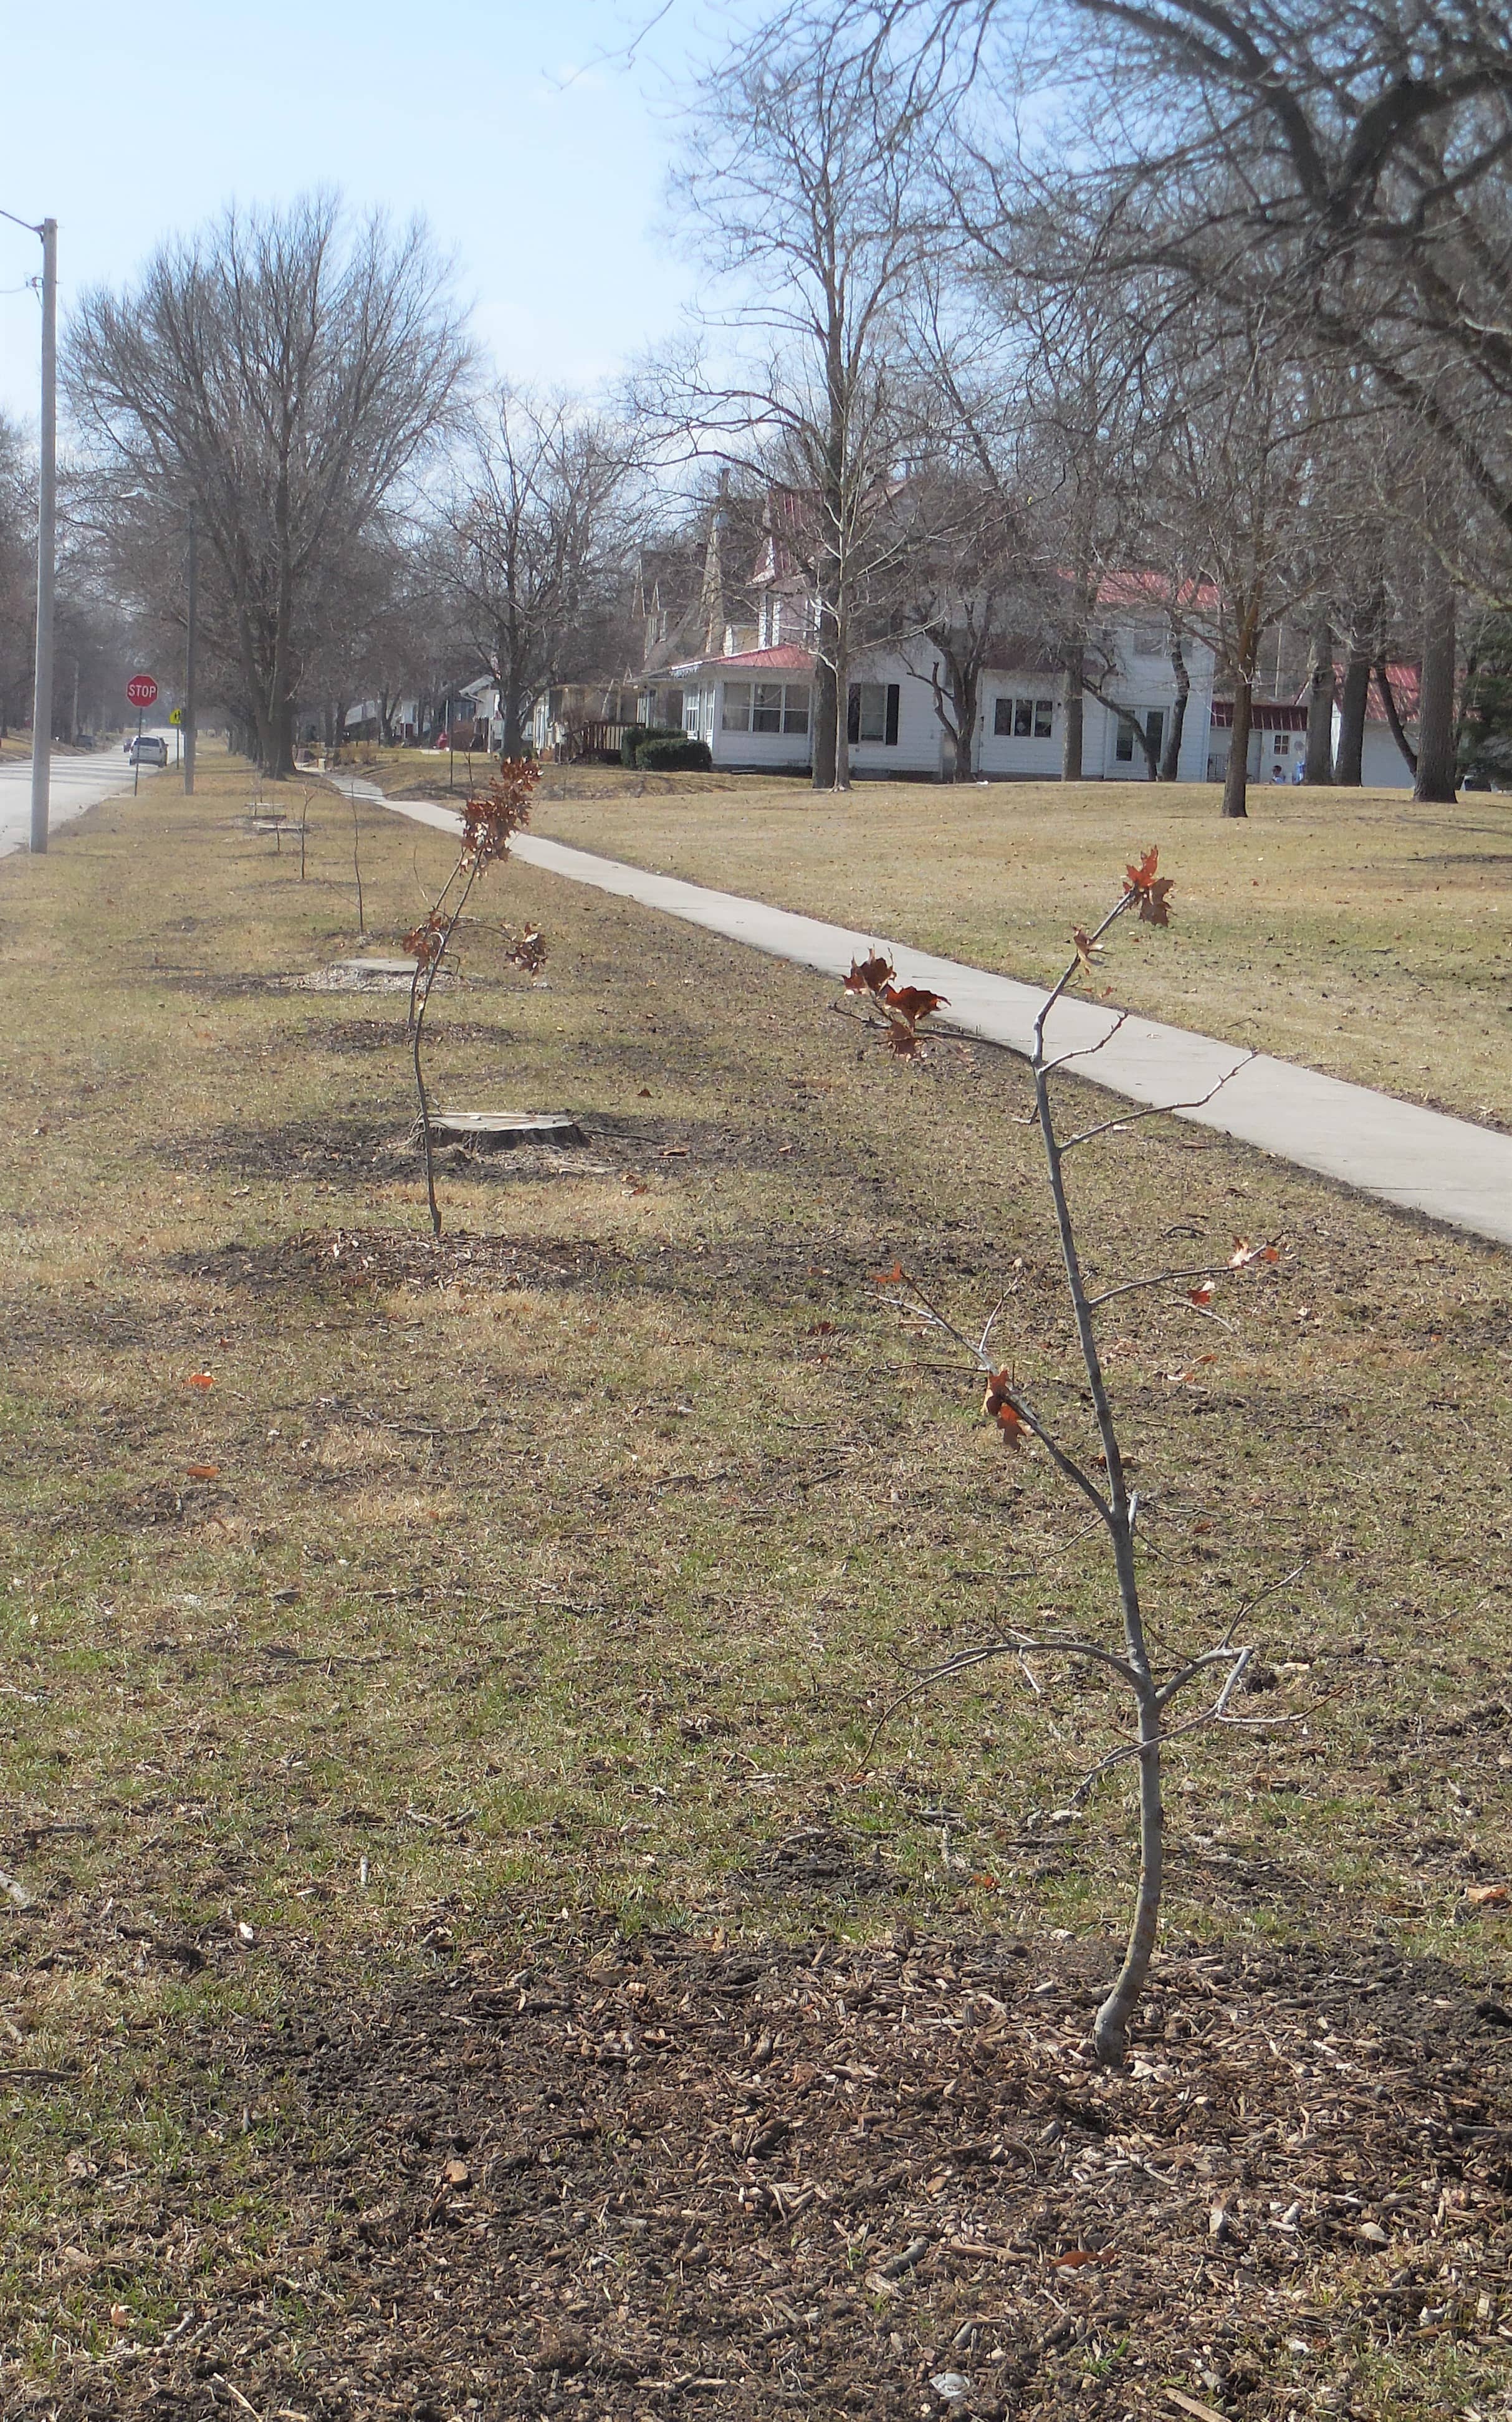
x=746 y=2180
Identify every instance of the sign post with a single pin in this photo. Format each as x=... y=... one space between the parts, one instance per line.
x=142 y=690
x=176 y=718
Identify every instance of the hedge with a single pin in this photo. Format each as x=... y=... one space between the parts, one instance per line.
x=674 y=754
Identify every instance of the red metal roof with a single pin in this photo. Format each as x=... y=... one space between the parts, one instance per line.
x=1265 y=714
x=759 y=660
x=1152 y=588
x=1405 y=681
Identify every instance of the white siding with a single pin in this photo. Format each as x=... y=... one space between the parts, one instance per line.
x=920 y=748
x=1013 y=753
x=1382 y=765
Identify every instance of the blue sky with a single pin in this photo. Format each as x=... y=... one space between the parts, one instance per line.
x=536 y=155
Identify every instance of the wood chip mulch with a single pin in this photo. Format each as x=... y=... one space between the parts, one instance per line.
x=661 y=2179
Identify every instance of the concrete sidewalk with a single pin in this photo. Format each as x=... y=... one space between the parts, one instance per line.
x=1448 y=1168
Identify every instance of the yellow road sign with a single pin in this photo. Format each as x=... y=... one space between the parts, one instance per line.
x=177 y=716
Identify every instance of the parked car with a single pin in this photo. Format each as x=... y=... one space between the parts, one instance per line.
x=151 y=749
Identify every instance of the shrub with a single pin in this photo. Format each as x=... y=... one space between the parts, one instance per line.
x=667 y=754
x=638 y=736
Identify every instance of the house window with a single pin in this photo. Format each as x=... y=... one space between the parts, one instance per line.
x=1154 y=727
x=1023 y=718
x=1148 y=638
x=1283 y=744
x=766 y=706
x=872 y=712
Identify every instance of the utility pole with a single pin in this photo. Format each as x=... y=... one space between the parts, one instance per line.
x=46 y=545
x=189 y=660
x=46 y=534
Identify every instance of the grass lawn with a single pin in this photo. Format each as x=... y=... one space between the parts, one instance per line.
x=460 y=1955
x=1353 y=931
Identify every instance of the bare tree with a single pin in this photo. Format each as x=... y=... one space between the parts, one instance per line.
x=807 y=187
x=965 y=589
x=1349 y=156
x=535 y=543
x=1240 y=491
x=284 y=373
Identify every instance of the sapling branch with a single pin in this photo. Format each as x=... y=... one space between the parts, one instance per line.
x=1086 y=1051
x=1155 y=1109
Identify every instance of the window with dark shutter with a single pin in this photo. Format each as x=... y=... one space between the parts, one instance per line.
x=890 y=733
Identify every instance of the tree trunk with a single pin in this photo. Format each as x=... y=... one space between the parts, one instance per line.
x=1318 y=765
x=964 y=696
x=513 y=721
x=1076 y=715
x=1353 y=705
x=843 y=775
x=1110 y=2034
x=1171 y=756
x=823 y=722
x=1436 y=771
x=1237 y=778
x=282 y=722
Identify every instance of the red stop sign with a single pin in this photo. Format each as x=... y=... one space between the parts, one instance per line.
x=141 y=689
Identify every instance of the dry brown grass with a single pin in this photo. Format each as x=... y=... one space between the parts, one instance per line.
x=555 y=1582
x=1353 y=931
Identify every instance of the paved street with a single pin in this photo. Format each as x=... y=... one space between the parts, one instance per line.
x=1447 y=1168
x=78 y=782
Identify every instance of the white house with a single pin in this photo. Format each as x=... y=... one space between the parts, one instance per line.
x=754 y=706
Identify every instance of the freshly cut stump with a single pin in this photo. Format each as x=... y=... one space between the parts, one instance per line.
x=367 y=975
x=502 y=1131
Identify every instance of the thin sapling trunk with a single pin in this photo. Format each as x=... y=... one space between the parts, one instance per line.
x=1102 y=1485
x=487 y=823
x=356 y=867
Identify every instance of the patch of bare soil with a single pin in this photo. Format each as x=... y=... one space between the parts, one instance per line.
x=352 y=1261
x=206 y=985
x=663 y=2179
x=297 y=1148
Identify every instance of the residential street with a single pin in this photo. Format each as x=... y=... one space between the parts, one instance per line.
x=78 y=782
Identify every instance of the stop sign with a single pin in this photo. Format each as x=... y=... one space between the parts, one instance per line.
x=141 y=689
